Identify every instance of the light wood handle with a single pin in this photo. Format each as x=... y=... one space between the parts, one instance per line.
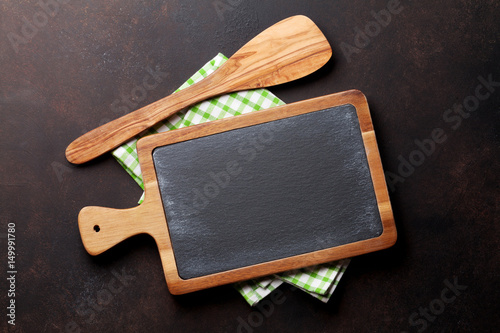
x=110 y=135
x=102 y=228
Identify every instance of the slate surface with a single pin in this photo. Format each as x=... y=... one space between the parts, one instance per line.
x=267 y=192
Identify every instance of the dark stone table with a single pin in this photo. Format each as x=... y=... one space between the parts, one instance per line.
x=430 y=71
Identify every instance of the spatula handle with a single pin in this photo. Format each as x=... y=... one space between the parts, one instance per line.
x=110 y=135
x=102 y=228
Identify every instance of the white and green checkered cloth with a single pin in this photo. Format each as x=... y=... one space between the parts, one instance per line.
x=319 y=281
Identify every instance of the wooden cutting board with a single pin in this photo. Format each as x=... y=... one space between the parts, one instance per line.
x=256 y=194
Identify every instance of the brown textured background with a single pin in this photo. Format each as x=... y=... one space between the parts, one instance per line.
x=64 y=79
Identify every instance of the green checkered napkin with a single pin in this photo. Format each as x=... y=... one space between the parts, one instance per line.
x=319 y=281
x=253 y=291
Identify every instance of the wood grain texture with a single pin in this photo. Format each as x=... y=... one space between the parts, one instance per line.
x=288 y=50
x=116 y=225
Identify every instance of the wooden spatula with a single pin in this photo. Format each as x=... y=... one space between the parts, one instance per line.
x=288 y=50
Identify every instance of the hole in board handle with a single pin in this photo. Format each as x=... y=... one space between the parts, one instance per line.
x=96 y=228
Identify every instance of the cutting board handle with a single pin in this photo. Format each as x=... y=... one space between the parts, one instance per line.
x=102 y=228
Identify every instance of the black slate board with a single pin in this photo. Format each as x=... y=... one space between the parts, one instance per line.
x=267 y=192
